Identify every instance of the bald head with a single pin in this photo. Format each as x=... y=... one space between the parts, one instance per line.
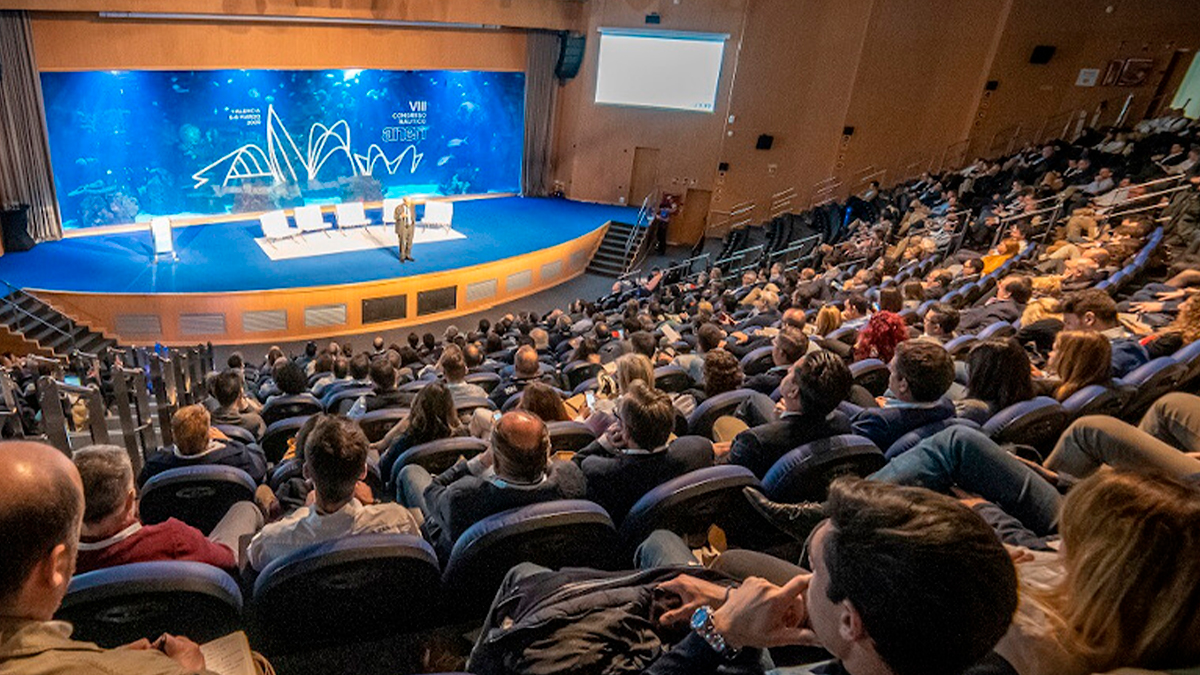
x=521 y=446
x=525 y=362
x=41 y=509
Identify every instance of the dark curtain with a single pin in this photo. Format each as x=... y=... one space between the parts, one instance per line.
x=541 y=55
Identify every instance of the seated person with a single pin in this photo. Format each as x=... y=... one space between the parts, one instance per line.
x=786 y=349
x=227 y=389
x=197 y=443
x=921 y=373
x=113 y=535
x=637 y=456
x=335 y=460
x=386 y=395
x=810 y=393
x=708 y=337
x=289 y=379
x=1000 y=375
x=1095 y=310
x=1011 y=295
x=433 y=418
x=526 y=369
x=340 y=375
x=454 y=367
x=941 y=320
x=515 y=471
x=1079 y=359
x=359 y=375
x=41 y=512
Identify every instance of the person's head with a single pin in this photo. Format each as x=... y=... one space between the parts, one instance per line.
x=525 y=362
x=383 y=374
x=414 y=340
x=722 y=372
x=109 y=495
x=227 y=387
x=1187 y=322
x=878 y=339
x=335 y=458
x=857 y=307
x=433 y=415
x=236 y=361
x=793 y=319
x=973 y=266
x=1080 y=358
x=190 y=426
x=816 y=384
x=829 y=319
x=1000 y=373
x=472 y=355
x=921 y=371
x=377 y=343
x=541 y=339
x=709 y=337
x=1017 y=288
x=428 y=342
x=788 y=346
x=41 y=511
x=310 y=349
x=587 y=350
x=632 y=367
x=1131 y=553
x=360 y=366
x=941 y=320
x=913 y=291
x=948 y=595
x=520 y=446
x=643 y=343
x=454 y=366
x=647 y=416
x=542 y=400
x=891 y=299
x=1091 y=309
x=341 y=366
x=323 y=363
x=289 y=377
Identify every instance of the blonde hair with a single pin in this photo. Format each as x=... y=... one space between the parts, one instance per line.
x=1039 y=309
x=1188 y=321
x=1080 y=359
x=1131 y=552
x=631 y=367
x=189 y=426
x=829 y=319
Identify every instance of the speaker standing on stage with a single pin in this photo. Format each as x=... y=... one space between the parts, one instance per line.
x=405 y=228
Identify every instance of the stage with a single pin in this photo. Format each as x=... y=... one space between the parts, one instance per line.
x=225 y=287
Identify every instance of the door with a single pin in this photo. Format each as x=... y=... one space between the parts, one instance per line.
x=688 y=226
x=644 y=178
x=1172 y=78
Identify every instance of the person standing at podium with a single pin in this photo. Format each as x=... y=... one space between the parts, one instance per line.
x=405 y=228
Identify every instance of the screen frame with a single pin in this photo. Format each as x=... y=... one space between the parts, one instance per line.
x=722 y=38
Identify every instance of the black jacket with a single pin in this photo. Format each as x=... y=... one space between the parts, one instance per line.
x=616 y=480
x=248 y=458
x=978 y=318
x=760 y=447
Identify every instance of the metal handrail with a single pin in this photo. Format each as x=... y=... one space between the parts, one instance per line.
x=8 y=301
x=643 y=213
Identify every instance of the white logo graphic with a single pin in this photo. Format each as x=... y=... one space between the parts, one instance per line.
x=282 y=157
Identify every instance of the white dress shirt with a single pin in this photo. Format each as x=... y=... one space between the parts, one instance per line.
x=307 y=525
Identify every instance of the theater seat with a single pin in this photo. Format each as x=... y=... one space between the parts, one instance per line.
x=119 y=605
x=1038 y=423
x=1098 y=399
x=700 y=422
x=1189 y=358
x=569 y=436
x=872 y=375
x=377 y=423
x=239 y=434
x=757 y=361
x=960 y=346
x=1151 y=381
x=437 y=456
x=488 y=381
x=846 y=335
x=576 y=373
x=590 y=384
x=672 y=379
x=907 y=441
x=275 y=440
x=557 y=534
x=341 y=402
x=467 y=405
x=290 y=406
x=346 y=590
x=999 y=329
x=197 y=495
x=804 y=474
x=689 y=504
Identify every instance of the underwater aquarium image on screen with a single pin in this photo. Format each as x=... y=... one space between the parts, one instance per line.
x=126 y=146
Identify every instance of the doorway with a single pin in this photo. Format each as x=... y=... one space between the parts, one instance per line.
x=644 y=178
x=1188 y=94
x=688 y=227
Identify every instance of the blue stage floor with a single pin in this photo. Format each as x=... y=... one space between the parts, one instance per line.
x=224 y=257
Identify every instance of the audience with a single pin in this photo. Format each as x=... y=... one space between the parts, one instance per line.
x=1094 y=310
x=921 y=373
x=1079 y=359
x=198 y=443
x=1000 y=375
x=231 y=407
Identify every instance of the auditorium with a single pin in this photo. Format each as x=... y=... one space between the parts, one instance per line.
x=599 y=337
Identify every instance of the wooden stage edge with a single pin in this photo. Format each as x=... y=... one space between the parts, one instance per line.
x=249 y=317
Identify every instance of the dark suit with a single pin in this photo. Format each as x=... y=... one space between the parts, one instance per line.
x=457 y=500
x=760 y=447
x=760 y=320
x=885 y=425
x=768 y=382
x=248 y=458
x=977 y=318
x=617 y=479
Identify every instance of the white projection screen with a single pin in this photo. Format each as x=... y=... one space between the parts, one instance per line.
x=659 y=69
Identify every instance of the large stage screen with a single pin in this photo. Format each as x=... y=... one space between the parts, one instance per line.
x=659 y=69
x=126 y=146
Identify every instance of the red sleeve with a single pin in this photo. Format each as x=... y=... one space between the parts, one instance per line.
x=191 y=544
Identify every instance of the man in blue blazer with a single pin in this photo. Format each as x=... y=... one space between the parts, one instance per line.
x=922 y=372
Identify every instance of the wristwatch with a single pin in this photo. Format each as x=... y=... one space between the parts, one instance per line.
x=702 y=625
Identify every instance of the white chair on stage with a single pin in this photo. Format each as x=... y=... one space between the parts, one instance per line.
x=389 y=210
x=164 y=241
x=351 y=215
x=438 y=214
x=275 y=227
x=309 y=219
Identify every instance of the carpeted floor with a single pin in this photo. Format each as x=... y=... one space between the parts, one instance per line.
x=225 y=257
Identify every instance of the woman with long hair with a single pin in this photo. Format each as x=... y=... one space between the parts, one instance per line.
x=542 y=400
x=878 y=339
x=1000 y=375
x=1080 y=359
x=891 y=299
x=829 y=319
x=433 y=418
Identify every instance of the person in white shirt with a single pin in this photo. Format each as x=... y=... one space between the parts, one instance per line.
x=335 y=460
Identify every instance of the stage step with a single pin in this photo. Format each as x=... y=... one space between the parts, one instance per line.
x=610 y=258
x=35 y=321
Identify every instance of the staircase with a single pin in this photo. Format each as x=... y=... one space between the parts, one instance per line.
x=28 y=318
x=622 y=244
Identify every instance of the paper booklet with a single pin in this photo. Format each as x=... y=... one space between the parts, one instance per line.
x=229 y=655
